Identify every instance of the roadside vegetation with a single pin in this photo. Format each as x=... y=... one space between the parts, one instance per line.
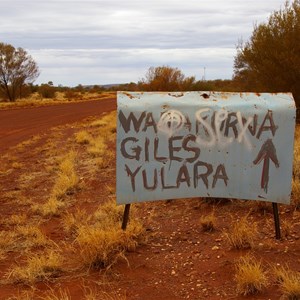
x=93 y=238
x=59 y=97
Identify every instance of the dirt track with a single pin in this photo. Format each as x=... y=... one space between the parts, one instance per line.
x=21 y=124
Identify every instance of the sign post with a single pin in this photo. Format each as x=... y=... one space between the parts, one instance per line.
x=125 y=216
x=205 y=144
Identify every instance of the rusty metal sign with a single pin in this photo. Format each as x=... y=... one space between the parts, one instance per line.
x=204 y=144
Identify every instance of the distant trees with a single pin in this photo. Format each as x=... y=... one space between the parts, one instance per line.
x=17 y=68
x=47 y=90
x=165 y=78
x=270 y=60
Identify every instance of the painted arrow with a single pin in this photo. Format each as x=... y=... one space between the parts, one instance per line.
x=266 y=153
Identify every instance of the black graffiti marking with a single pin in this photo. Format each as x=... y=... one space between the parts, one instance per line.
x=266 y=153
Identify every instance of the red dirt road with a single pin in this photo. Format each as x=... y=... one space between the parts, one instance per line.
x=18 y=125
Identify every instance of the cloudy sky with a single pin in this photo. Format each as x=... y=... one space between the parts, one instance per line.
x=115 y=41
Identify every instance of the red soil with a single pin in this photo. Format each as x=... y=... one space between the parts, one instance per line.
x=20 y=124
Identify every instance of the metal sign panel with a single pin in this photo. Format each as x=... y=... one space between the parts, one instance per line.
x=204 y=144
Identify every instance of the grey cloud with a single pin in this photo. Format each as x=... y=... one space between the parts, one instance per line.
x=130 y=35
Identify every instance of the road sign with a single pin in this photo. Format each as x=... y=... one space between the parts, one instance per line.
x=204 y=144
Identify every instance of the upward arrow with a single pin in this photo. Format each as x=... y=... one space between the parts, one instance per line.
x=266 y=153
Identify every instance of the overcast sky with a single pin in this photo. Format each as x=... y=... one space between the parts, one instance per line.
x=115 y=41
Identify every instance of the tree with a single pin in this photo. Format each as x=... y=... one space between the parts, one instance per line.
x=47 y=90
x=165 y=78
x=270 y=60
x=17 y=68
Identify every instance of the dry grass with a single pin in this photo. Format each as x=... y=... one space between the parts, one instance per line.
x=17 y=219
x=61 y=294
x=108 y=214
x=67 y=178
x=97 y=147
x=106 y=296
x=296 y=170
x=111 y=189
x=52 y=207
x=83 y=137
x=72 y=221
x=65 y=183
x=262 y=207
x=100 y=248
x=296 y=192
x=7 y=241
x=25 y=295
x=108 y=120
x=22 y=237
x=250 y=276
x=30 y=236
x=36 y=100
x=100 y=239
x=286 y=227
x=289 y=282
x=242 y=233
x=93 y=239
x=208 y=223
x=38 y=267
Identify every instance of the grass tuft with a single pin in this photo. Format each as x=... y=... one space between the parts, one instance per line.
x=50 y=208
x=289 y=282
x=56 y=295
x=67 y=178
x=38 y=267
x=250 y=277
x=97 y=147
x=242 y=234
x=208 y=222
x=83 y=137
x=101 y=241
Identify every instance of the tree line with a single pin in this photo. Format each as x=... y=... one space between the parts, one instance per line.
x=268 y=62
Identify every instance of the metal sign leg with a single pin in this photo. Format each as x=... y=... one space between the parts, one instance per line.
x=125 y=216
x=276 y=221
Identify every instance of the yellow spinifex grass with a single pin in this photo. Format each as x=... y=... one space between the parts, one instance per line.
x=108 y=215
x=29 y=236
x=108 y=121
x=23 y=237
x=99 y=248
x=250 y=276
x=83 y=137
x=289 y=282
x=100 y=241
x=67 y=178
x=296 y=169
x=37 y=267
x=208 y=222
x=242 y=233
x=65 y=183
x=97 y=147
x=7 y=240
x=61 y=294
x=72 y=221
x=51 y=208
x=17 y=219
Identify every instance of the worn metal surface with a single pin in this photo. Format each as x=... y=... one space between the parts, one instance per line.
x=229 y=145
